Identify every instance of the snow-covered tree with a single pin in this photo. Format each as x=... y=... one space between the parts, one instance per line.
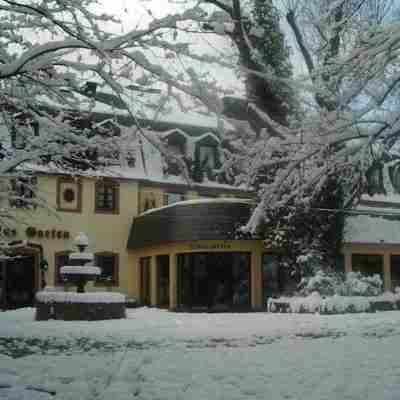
x=253 y=26
x=308 y=174
x=305 y=173
x=53 y=54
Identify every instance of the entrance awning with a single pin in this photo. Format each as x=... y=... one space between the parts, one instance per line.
x=205 y=219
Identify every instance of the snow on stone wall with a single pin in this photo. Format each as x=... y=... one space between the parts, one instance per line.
x=70 y=297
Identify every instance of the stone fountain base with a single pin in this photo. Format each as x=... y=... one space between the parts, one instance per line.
x=68 y=306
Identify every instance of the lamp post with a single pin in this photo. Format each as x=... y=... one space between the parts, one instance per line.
x=44 y=266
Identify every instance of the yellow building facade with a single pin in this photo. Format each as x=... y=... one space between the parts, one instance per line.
x=166 y=245
x=46 y=237
x=371 y=235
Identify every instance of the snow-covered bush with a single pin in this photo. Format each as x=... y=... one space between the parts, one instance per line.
x=326 y=284
x=311 y=303
x=357 y=284
x=309 y=263
x=331 y=283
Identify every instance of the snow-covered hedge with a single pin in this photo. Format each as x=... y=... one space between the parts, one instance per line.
x=356 y=284
x=323 y=283
x=336 y=304
x=70 y=297
x=353 y=284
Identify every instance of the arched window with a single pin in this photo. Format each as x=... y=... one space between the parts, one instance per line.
x=61 y=258
x=108 y=262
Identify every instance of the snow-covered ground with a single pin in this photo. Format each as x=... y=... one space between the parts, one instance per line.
x=156 y=354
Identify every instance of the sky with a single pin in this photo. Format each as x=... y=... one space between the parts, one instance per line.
x=133 y=12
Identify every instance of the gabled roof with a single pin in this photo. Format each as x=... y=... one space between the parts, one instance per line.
x=98 y=108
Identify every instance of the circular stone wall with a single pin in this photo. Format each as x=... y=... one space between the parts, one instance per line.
x=79 y=306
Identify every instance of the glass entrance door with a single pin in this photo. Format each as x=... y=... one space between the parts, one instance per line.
x=214 y=281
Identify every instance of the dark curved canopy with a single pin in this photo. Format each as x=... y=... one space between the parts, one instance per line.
x=190 y=220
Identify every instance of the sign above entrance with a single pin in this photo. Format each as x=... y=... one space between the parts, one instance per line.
x=32 y=232
x=211 y=246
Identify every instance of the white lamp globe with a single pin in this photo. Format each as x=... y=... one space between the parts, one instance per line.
x=81 y=240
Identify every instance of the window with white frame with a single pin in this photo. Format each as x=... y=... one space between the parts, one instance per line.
x=107 y=197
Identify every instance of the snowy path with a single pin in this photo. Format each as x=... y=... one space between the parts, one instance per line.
x=161 y=355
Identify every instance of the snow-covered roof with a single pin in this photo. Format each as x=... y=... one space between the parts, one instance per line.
x=376 y=219
x=369 y=229
x=200 y=201
x=149 y=164
x=392 y=198
x=188 y=137
x=146 y=110
x=374 y=222
x=193 y=220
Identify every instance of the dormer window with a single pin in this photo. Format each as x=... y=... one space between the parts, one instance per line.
x=175 y=149
x=90 y=88
x=394 y=172
x=374 y=177
x=176 y=144
x=206 y=160
x=24 y=129
x=23 y=190
x=207 y=157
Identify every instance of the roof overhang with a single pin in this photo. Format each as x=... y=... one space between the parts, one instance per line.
x=216 y=219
